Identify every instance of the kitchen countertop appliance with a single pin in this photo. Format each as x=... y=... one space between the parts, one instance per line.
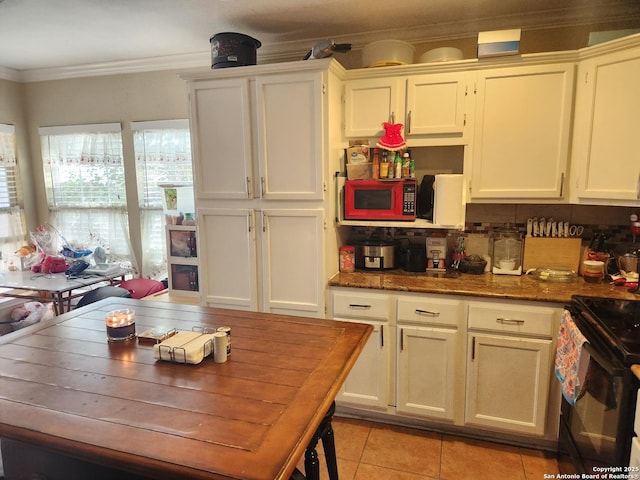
x=415 y=258
x=597 y=429
x=380 y=200
x=507 y=251
x=377 y=254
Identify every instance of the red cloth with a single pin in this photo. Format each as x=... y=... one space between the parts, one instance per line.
x=142 y=287
x=392 y=139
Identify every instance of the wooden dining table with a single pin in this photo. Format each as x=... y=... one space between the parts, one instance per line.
x=71 y=396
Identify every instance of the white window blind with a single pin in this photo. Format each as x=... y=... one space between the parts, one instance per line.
x=8 y=180
x=163 y=156
x=12 y=224
x=85 y=183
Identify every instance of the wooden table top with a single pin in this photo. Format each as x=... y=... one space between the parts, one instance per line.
x=64 y=387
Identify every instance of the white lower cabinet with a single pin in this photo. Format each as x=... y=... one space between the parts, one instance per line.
x=368 y=383
x=509 y=366
x=459 y=361
x=429 y=353
x=283 y=247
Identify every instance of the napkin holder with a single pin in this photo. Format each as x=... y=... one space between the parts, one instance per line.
x=184 y=347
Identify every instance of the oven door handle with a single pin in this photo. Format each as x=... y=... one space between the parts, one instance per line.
x=610 y=368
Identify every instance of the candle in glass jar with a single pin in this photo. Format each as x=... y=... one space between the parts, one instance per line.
x=121 y=325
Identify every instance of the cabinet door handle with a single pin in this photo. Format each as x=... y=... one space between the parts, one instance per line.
x=251 y=220
x=248 y=187
x=561 y=184
x=408 y=127
x=393 y=117
x=382 y=335
x=261 y=187
x=473 y=348
x=264 y=222
x=510 y=321
x=401 y=339
x=427 y=312
x=359 y=305
x=638 y=188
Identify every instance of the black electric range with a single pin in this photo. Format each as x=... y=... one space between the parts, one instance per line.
x=617 y=322
x=596 y=429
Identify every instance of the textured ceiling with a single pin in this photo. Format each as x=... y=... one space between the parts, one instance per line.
x=36 y=34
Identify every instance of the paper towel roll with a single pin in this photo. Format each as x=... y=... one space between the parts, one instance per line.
x=448 y=201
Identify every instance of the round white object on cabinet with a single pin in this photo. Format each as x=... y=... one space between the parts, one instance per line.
x=442 y=54
x=387 y=52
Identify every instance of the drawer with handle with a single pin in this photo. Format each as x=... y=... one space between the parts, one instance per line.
x=365 y=306
x=429 y=310
x=520 y=319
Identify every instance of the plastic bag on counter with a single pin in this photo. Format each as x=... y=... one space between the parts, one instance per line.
x=30 y=313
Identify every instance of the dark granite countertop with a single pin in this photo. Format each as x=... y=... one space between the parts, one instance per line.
x=487 y=285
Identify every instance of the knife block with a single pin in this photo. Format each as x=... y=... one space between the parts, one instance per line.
x=542 y=252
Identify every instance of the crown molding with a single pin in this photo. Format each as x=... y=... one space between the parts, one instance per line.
x=292 y=50
x=9 y=74
x=116 y=68
x=611 y=46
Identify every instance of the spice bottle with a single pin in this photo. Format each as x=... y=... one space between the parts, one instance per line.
x=347 y=258
x=406 y=161
x=376 y=164
x=398 y=165
x=384 y=166
x=391 y=169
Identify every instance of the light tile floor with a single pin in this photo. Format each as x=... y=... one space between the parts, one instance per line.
x=368 y=450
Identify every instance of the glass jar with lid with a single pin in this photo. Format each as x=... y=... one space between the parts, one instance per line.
x=506 y=253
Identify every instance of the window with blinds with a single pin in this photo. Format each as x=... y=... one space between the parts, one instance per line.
x=8 y=176
x=163 y=156
x=85 y=183
x=12 y=224
x=8 y=186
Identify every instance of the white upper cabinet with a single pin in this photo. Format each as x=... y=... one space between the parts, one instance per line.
x=221 y=138
x=290 y=134
x=522 y=122
x=286 y=111
x=606 y=144
x=368 y=103
x=431 y=107
x=436 y=104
